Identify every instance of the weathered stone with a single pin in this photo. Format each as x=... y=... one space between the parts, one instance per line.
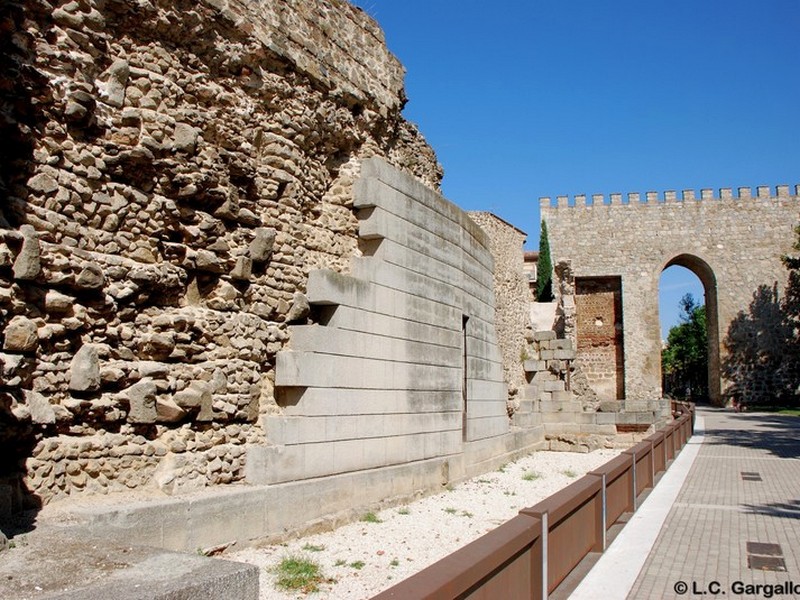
x=21 y=413
x=116 y=81
x=262 y=245
x=43 y=183
x=76 y=112
x=72 y=19
x=248 y=218
x=168 y=411
x=610 y=406
x=243 y=268
x=158 y=346
x=41 y=410
x=90 y=278
x=185 y=138
x=85 y=369
x=300 y=308
x=142 y=399
x=197 y=396
x=10 y=365
x=149 y=368
x=276 y=152
x=58 y=303
x=208 y=261
x=27 y=264
x=223 y=296
x=111 y=375
x=20 y=335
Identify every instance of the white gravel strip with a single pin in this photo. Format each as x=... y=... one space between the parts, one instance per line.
x=363 y=558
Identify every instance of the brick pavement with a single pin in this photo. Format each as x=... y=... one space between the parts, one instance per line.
x=704 y=540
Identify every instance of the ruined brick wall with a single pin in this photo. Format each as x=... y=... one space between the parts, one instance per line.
x=598 y=307
x=512 y=296
x=733 y=243
x=176 y=171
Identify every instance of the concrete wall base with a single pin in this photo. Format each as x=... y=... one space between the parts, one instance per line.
x=271 y=512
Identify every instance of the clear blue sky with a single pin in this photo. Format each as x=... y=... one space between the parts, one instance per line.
x=522 y=99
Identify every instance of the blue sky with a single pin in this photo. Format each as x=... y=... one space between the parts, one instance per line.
x=522 y=99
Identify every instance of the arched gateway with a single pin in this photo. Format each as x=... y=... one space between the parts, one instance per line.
x=618 y=251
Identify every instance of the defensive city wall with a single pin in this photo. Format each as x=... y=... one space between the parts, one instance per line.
x=618 y=249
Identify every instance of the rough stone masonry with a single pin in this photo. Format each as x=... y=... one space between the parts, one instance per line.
x=175 y=170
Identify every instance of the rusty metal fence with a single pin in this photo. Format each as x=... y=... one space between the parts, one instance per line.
x=530 y=555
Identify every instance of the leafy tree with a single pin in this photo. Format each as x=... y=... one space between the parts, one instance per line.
x=684 y=360
x=544 y=268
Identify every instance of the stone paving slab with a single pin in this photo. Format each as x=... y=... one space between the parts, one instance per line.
x=703 y=545
x=53 y=564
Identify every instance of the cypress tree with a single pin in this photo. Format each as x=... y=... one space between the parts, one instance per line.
x=544 y=269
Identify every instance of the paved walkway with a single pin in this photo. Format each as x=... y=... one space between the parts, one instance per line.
x=730 y=508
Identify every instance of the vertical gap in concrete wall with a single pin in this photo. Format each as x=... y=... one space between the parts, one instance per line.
x=464 y=356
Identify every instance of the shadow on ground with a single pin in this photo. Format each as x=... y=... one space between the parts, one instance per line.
x=779 y=435
x=786 y=510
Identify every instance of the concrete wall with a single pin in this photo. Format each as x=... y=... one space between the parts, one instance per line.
x=733 y=243
x=403 y=362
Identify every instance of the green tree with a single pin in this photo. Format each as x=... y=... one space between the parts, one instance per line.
x=684 y=360
x=544 y=268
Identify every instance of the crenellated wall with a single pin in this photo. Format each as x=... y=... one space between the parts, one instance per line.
x=734 y=243
x=634 y=199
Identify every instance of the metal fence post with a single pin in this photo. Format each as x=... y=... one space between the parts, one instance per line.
x=633 y=478
x=605 y=512
x=545 y=550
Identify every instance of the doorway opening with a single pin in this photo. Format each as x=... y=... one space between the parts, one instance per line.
x=689 y=332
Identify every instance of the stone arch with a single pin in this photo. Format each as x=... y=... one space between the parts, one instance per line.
x=735 y=239
x=706 y=275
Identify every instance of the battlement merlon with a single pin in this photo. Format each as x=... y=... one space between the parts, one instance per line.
x=635 y=198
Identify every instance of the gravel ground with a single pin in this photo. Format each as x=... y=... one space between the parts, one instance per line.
x=363 y=558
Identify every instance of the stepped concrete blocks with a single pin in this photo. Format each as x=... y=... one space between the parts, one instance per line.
x=605 y=418
x=543 y=336
x=554 y=386
x=379 y=381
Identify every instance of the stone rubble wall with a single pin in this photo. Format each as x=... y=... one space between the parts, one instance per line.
x=177 y=169
x=733 y=242
x=512 y=298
